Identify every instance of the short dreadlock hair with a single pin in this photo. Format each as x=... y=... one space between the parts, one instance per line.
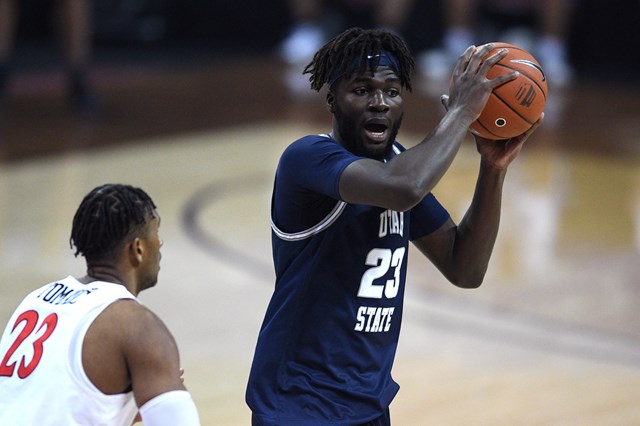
x=107 y=216
x=355 y=44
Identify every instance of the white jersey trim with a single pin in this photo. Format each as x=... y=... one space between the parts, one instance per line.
x=333 y=215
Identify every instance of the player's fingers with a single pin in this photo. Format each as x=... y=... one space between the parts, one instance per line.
x=477 y=58
x=444 y=100
x=523 y=137
x=463 y=60
x=538 y=122
x=535 y=126
x=493 y=59
x=500 y=80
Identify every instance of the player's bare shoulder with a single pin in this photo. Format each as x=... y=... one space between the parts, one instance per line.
x=124 y=336
x=132 y=322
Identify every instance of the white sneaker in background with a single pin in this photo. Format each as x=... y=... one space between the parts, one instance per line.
x=521 y=37
x=435 y=68
x=302 y=43
x=435 y=64
x=552 y=55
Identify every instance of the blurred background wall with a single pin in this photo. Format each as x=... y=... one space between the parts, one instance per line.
x=604 y=35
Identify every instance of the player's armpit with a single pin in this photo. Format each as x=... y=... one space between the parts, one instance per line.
x=438 y=246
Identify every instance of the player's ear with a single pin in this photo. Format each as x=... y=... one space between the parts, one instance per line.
x=331 y=102
x=135 y=251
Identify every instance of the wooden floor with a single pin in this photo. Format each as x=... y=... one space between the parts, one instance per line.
x=551 y=338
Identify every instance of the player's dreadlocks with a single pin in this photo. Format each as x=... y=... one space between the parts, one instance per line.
x=106 y=216
x=353 y=47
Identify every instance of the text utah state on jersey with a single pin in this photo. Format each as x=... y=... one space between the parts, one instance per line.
x=377 y=319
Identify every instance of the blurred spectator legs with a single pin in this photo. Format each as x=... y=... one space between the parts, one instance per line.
x=74 y=29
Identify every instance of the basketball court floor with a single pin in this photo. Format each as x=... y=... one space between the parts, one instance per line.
x=552 y=337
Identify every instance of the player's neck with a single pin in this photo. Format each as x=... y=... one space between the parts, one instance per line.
x=102 y=273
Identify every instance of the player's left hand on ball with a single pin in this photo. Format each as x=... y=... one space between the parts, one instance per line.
x=499 y=154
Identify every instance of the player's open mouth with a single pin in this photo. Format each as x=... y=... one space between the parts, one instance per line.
x=376 y=131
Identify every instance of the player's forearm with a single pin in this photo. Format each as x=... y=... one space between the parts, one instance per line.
x=404 y=181
x=478 y=230
x=422 y=166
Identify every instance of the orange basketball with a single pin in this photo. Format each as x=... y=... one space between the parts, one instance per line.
x=514 y=106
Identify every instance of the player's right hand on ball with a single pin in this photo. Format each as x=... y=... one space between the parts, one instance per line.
x=470 y=88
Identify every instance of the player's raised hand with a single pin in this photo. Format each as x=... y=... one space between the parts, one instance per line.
x=499 y=154
x=469 y=87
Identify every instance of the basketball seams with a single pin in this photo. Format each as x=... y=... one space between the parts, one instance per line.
x=486 y=129
x=516 y=101
x=511 y=108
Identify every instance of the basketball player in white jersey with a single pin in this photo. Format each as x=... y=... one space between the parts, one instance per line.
x=85 y=351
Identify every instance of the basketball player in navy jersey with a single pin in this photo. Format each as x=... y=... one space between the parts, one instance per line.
x=345 y=206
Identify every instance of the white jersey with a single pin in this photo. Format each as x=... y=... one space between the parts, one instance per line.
x=42 y=379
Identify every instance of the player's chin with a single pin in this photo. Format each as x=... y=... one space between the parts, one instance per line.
x=153 y=280
x=377 y=151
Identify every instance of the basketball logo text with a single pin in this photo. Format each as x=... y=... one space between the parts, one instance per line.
x=525 y=95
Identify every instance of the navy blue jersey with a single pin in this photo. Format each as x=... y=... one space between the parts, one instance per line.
x=329 y=337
